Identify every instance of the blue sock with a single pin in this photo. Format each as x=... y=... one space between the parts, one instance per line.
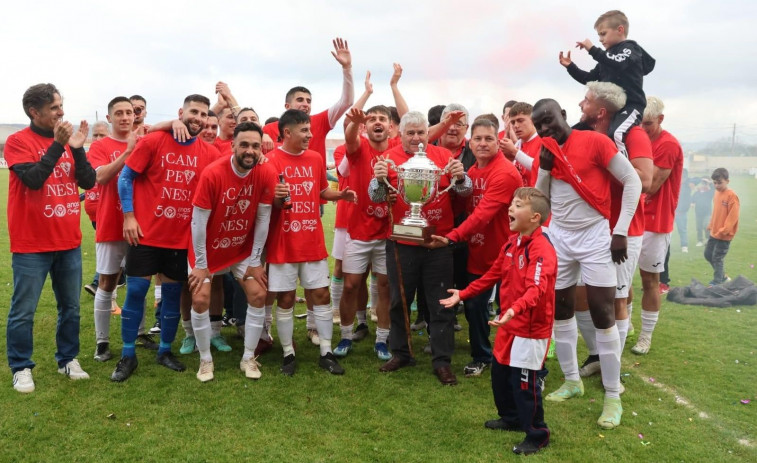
x=169 y=315
x=132 y=311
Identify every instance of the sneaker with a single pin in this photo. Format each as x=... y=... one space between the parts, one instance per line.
x=611 y=414
x=289 y=365
x=343 y=348
x=155 y=328
x=188 y=345
x=528 y=448
x=122 y=279
x=23 y=382
x=251 y=368
x=227 y=321
x=427 y=349
x=73 y=370
x=336 y=318
x=501 y=425
x=146 y=341
x=699 y=244
x=664 y=288
x=264 y=345
x=91 y=289
x=382 y=351
x=568 y=390
x=551 y=350
x=114 y=308
x=102 y=352
x=643 y=344
x=419 y=325
x=124 y=368
x=475 y=369
x=219 y=342
x=590 y=367
x=328 y=362
x=313 y=336
x=685 y=249
x=299 y=300
x=631 y=329
x=360 y=332
x=458 y=327
x=205 y=373
x=168 y=360
x=374 y=317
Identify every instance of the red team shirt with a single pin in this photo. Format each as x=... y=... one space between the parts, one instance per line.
x=223 y=146
x=296 y=234
x=319 y=127
x=532 y=148
x=110 y=226
x=91 y=200
x=638 y=146
x=660 y=208
x=342 y=207
x=368 y=221
x=163 y=193
x=437 y=212
x=233 y=204
x=487 y=227
x=46 y=219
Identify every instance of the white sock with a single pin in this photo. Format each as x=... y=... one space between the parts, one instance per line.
x=608 y=346
x=253 y=328
x=382 y=334
x=103 y=304
x=115 y=293
x=346 y=331
x=361 y=317
x=158 y=293
x=588 y=332
x=187 y=324
x=622 y=332
x=374 y=292
x=629 y=309
x=285 y=328
x=202 y=331
x=648 y=322
x=337 y=286
x=215 y=327
x=310 y=320
x=566 y=338
x=268 y=323
x=324 y=322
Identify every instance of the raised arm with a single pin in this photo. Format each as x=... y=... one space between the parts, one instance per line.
x=342 y=55
x=360 y=102
x=399 y=100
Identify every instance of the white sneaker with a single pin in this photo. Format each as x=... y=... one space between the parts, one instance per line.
x=250 y=368
x=374 y=317
x=73 y=370
x=23 y=382
x=642 y=345
x=684 y=249
x=699 y=244
x=205 y=373
x=313 y=336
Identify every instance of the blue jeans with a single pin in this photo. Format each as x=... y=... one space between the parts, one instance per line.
x=29 y=273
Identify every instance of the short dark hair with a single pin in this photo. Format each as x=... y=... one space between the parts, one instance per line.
x=271 y=119
x=381 y=109
x=721 y=173
x=118 y=99
x=521 y=108
x=212 y=114
x=248 y=127
x=138 y=97
x=482 y=121
x=435 y=114
x=394 y=115
x=246 y=108
x=197 y=99
x=293 y=90
x=488 y=117
x=509 y=104
x=539 y=201
x=292 y=117
x=37 y=96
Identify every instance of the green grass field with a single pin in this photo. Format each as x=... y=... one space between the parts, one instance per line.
x=682 y=401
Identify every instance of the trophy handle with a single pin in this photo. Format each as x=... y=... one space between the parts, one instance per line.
x=393 y=166
x=452 y=184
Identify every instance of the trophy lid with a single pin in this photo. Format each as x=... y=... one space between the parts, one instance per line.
x=420 y=161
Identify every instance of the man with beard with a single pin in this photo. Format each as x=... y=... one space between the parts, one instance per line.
x=156 y=188
x=232 y=208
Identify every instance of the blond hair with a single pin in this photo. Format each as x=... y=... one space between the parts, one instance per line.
x=538 y=201
x=654 y=108
x=613 y=19
x=612 y=95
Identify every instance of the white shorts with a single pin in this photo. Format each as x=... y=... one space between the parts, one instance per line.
x=358 y=254
x=340 y=239
x=110 y=256
x=583 y=253
x=626 y=270
x=238 y=269
x=312 y=275
x=653 y=250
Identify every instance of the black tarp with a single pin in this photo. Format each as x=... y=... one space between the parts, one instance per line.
x=739 y=291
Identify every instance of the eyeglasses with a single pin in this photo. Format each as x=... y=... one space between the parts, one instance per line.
x=460 y=125
x=138 y=110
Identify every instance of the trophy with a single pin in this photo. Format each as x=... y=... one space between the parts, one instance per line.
x=417 y=184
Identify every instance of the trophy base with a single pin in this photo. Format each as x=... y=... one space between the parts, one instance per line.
x=412 y=233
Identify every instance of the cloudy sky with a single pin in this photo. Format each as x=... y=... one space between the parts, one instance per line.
x=476 y=52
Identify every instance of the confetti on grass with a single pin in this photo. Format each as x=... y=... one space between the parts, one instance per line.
x=745 y=401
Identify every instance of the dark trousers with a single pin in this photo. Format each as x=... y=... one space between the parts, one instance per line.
x=622 y=122
x=477 y=314
x=715 y=252
x=517 y=396
x=430 y=269
x=682 y=223
x=665 y=275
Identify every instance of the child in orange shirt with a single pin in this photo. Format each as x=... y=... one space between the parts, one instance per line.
x=723 y=224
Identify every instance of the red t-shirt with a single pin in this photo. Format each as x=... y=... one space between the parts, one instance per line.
x=367 y=221
x=296 y=234
x=487 y=228
x=532 y=148
x=319 y=127
x=91 y=200
x=343 y=208
x=169 y=173
x=46 y=219
x=223 y=146
x=638 y=146
x=660 y=208
x=233 y=204
x=438 y=212
x=110 y=226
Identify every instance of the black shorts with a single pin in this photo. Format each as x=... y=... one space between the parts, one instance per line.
x=145 y=261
